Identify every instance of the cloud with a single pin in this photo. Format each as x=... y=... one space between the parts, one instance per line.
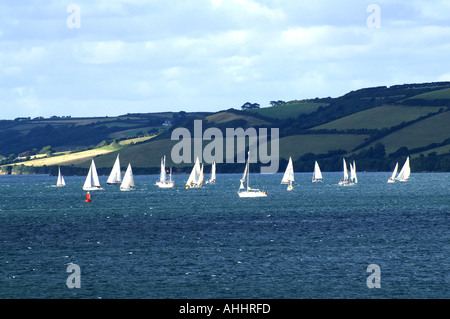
x=141 y=56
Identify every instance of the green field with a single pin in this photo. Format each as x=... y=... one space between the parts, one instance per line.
x=299 y=145
x=438 y=150
x=222 y=118
x=439 y=94
x=141 y=155
x=434 y=129
x=380 y=117
x=289 y=110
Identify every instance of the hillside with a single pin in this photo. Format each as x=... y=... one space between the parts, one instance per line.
x=375 y=126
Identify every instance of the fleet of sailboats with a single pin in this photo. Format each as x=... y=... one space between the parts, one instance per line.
x=249 y=192
x=288 y=177
x=196 y=177
x=163 y=182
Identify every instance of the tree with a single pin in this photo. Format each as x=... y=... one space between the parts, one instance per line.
x=46 y=150
x=250 y=106
x=279 y=102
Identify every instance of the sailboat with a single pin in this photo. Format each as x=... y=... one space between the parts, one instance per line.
x=288 y=177
x=128 y=180
x=212 y=180
x=345 y=181
x=115 y=176
x=163 y=183
x=405 y=172
x=317 y=175
x=392 y=178
x=195 y=179
x=353 y=177
x=249 y=192
x=92 y=183
x=60 y=181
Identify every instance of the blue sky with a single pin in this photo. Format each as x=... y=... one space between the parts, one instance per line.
x=210 y=55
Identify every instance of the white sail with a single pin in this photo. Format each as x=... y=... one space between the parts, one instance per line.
x=162 y=175
x=213 y=171
x=288 y=177
x=212 y=179
x=249 y=192
x=195 y=178
x=115 y=176
x=128 y=180
x=345 y=171
x=163 y=182
x=353 y=176
x=405 y=172
x=201 y=177
x=345 y=181
x=317 y=175
x=392 y=178
x=92 y=182
x=60 y=180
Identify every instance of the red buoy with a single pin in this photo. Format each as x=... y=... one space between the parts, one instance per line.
x=88 y=198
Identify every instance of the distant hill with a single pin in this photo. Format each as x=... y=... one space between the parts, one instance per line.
x=375 y=126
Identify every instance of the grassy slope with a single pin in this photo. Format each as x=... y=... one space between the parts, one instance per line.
x=438 y=94
x=298 y=145
x=380 y=117
x=289 y=110
x=423 y=133
x=431 y=130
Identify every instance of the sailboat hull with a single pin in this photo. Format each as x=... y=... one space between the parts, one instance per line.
x=93 y=188
x=165 y=184
x=193 y=186
x=252 y=194
x=127 y=189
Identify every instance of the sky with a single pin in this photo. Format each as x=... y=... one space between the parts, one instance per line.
x=112 y=57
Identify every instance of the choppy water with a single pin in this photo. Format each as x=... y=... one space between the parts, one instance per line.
x=313 y=242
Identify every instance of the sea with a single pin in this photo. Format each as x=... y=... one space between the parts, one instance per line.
x=372 y=240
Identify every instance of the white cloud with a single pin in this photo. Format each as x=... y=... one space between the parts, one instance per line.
x=210 y=54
